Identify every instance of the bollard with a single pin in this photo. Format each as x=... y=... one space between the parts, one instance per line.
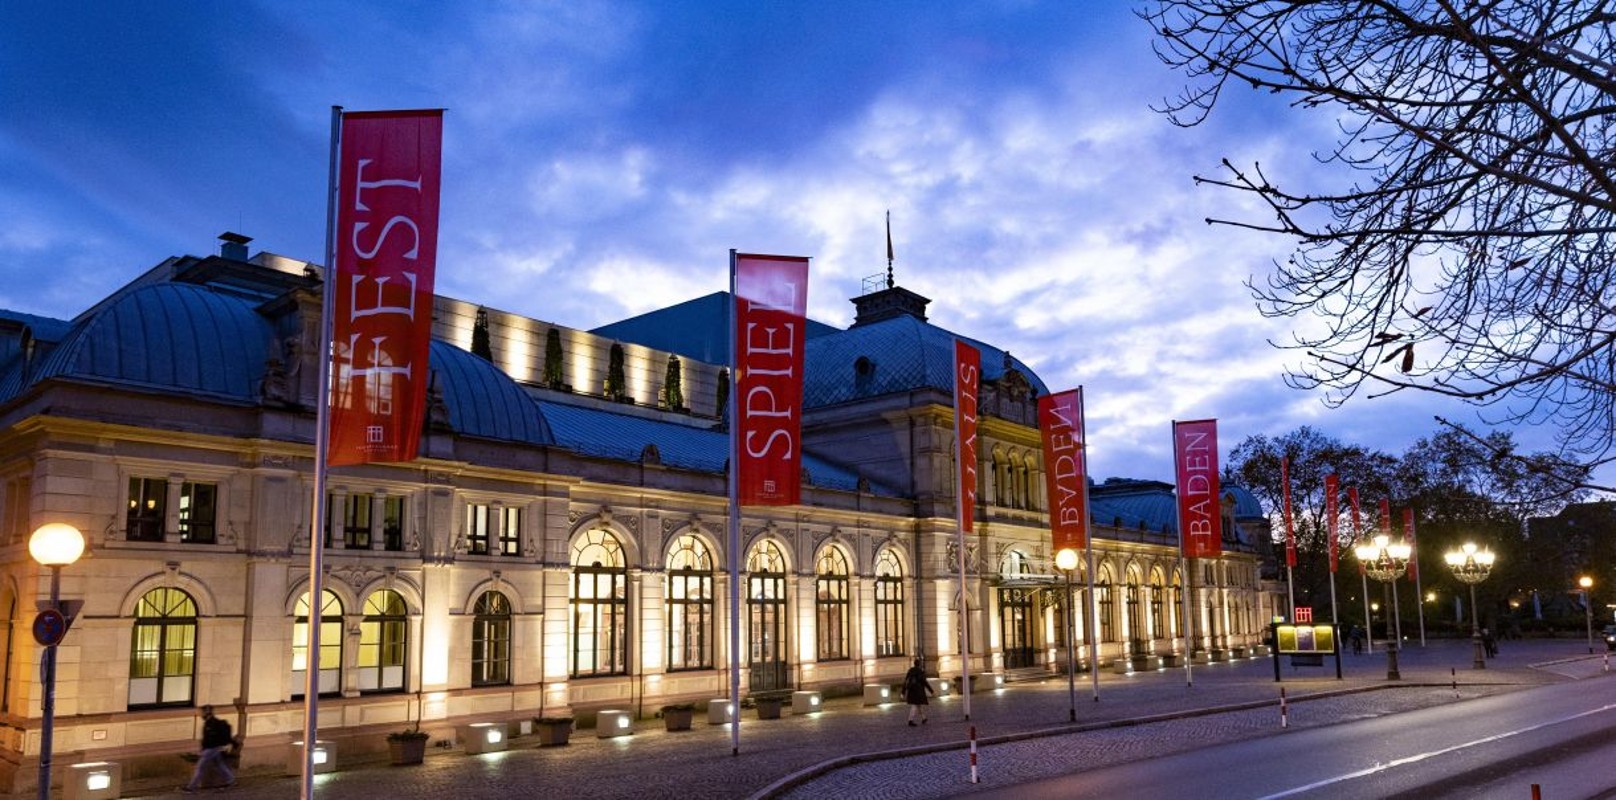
x=1284 y=710
x=1607 y=661
x=1537 y=792
x=973 y=754
x=1453 y=674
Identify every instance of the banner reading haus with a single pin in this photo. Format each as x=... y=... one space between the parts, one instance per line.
x=386 y=248
x=771 y=300
x=1200 y=518
x=1060 y=420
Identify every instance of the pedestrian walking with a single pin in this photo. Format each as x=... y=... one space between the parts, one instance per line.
x=915 y=691
x=216 y=741
x=1489 y=643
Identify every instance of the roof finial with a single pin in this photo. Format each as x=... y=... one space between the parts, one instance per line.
x=890 y=281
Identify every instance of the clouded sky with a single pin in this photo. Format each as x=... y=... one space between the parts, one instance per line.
x=601 y=159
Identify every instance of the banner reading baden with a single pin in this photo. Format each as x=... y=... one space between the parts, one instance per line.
x=771 y=300
x=386 y=257
x=1200 y=516
x=1060 y=420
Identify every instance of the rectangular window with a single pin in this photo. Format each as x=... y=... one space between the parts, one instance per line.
x=148 y=501
x=888 y=616
x=198 y=511
x=690 y=612
x=356 y=522
x=477 y=529
x=393 y=523
x=510 y=532
x=831 y=605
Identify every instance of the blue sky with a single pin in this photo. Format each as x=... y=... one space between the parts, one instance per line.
x=601 y=159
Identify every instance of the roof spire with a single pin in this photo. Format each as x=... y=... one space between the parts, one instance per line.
x=890 y=281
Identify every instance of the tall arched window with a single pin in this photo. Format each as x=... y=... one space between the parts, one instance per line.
x=1158 y=612
x=599 y=606
x=888 y=604
x=1136 y=622
x=1106 y=612
x=162 y=659
x=690 y=605
x=329 y=666
x=383 y=640
x=491 y=640
x=766 y=618
x=830 y=603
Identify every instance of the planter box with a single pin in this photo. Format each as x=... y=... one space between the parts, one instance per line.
x=877 y=694
x=403 y=751
x=484 y=737
x=612 y=723
x=552 y=733
x=678 y=719
x=720 y=711
x=806 y=703
x=769 y=707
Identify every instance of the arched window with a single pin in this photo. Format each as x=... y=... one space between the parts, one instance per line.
x=690 y=605
x=491 y=640
x=599 y=606
x=162 y=658
x=888 y=604
x=383 y=639
x=766 y=617
x=1107 y=611
x=830 y=603
x=329 y=666
x=1158 y=611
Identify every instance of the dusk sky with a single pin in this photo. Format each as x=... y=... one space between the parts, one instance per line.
x=601 y=159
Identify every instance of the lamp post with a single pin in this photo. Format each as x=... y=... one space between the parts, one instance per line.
x=1384 y=561
x=1471 y=565
x=53 y=545
x=1066 y=561
x=1588 y=608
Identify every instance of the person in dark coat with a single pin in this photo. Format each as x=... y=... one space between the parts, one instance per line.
x=915 y=691
x=216 y=741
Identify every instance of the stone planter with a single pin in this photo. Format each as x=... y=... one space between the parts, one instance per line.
x=406 y=748
x=678 y=719
x=768 y=707
x=551 y=731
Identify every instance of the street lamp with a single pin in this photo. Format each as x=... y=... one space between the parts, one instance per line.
x=1066 y=561
x=1588 y=608
x=53 y=545
x=1471 y=565
x=1385 y=561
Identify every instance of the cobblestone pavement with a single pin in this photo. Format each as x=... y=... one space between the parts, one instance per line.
x=1023 y=733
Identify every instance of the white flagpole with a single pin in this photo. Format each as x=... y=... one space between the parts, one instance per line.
x=734 y=527
x=322 y=446
x=1189 y=579
x=961 y=509
x=1088 y=541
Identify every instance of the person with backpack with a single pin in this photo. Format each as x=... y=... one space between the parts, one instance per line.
x=216 y=741
x=915 y=691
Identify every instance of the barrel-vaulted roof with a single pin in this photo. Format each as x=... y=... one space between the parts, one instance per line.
x=899 y=354
x=483 y=401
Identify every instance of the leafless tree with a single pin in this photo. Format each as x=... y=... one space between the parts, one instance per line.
x=1468 y=250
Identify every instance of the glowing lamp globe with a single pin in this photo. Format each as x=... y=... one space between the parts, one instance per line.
x=56 y=544
x=1066 y=559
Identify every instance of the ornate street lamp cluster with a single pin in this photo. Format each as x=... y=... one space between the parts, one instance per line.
x=1385 y=560
x=1471 y=566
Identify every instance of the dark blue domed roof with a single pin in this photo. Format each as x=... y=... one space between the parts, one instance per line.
x=168 y=336
x=483 y=401
x=900 y=354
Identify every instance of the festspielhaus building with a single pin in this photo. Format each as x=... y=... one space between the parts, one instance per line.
x=559 y=546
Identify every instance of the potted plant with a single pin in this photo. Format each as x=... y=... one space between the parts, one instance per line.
x=552 y=731
x=677 y=716
x=407 y=746
x=768 y=706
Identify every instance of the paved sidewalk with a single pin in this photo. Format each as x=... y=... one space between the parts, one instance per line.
x=814 y=752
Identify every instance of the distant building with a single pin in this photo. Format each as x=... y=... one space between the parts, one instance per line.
x=558 y=547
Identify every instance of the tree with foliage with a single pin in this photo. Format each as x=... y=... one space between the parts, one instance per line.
x=721 y=404
x=1467 y=248
x=616 y=383
x=480 y=344
x=553 y=359
x=673 y=389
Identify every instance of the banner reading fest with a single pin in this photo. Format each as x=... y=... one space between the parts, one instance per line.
x=386 y=258
x=771 y=300
x=1060 y=419
x=967 y=379
x=1200 y=514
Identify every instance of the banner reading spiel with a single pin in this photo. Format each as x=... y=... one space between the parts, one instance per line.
x=386 y=257
x=771 y=299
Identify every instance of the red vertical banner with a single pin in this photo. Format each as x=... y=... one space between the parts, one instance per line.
x=1357 y=519
x=1332 y=517
x=771 y=301
x=1385 y=523
x=389 y=164
x=967 y=382
x=1060 y=420
x=1408 y=531
x=1290 y=526
x=1200 y=516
